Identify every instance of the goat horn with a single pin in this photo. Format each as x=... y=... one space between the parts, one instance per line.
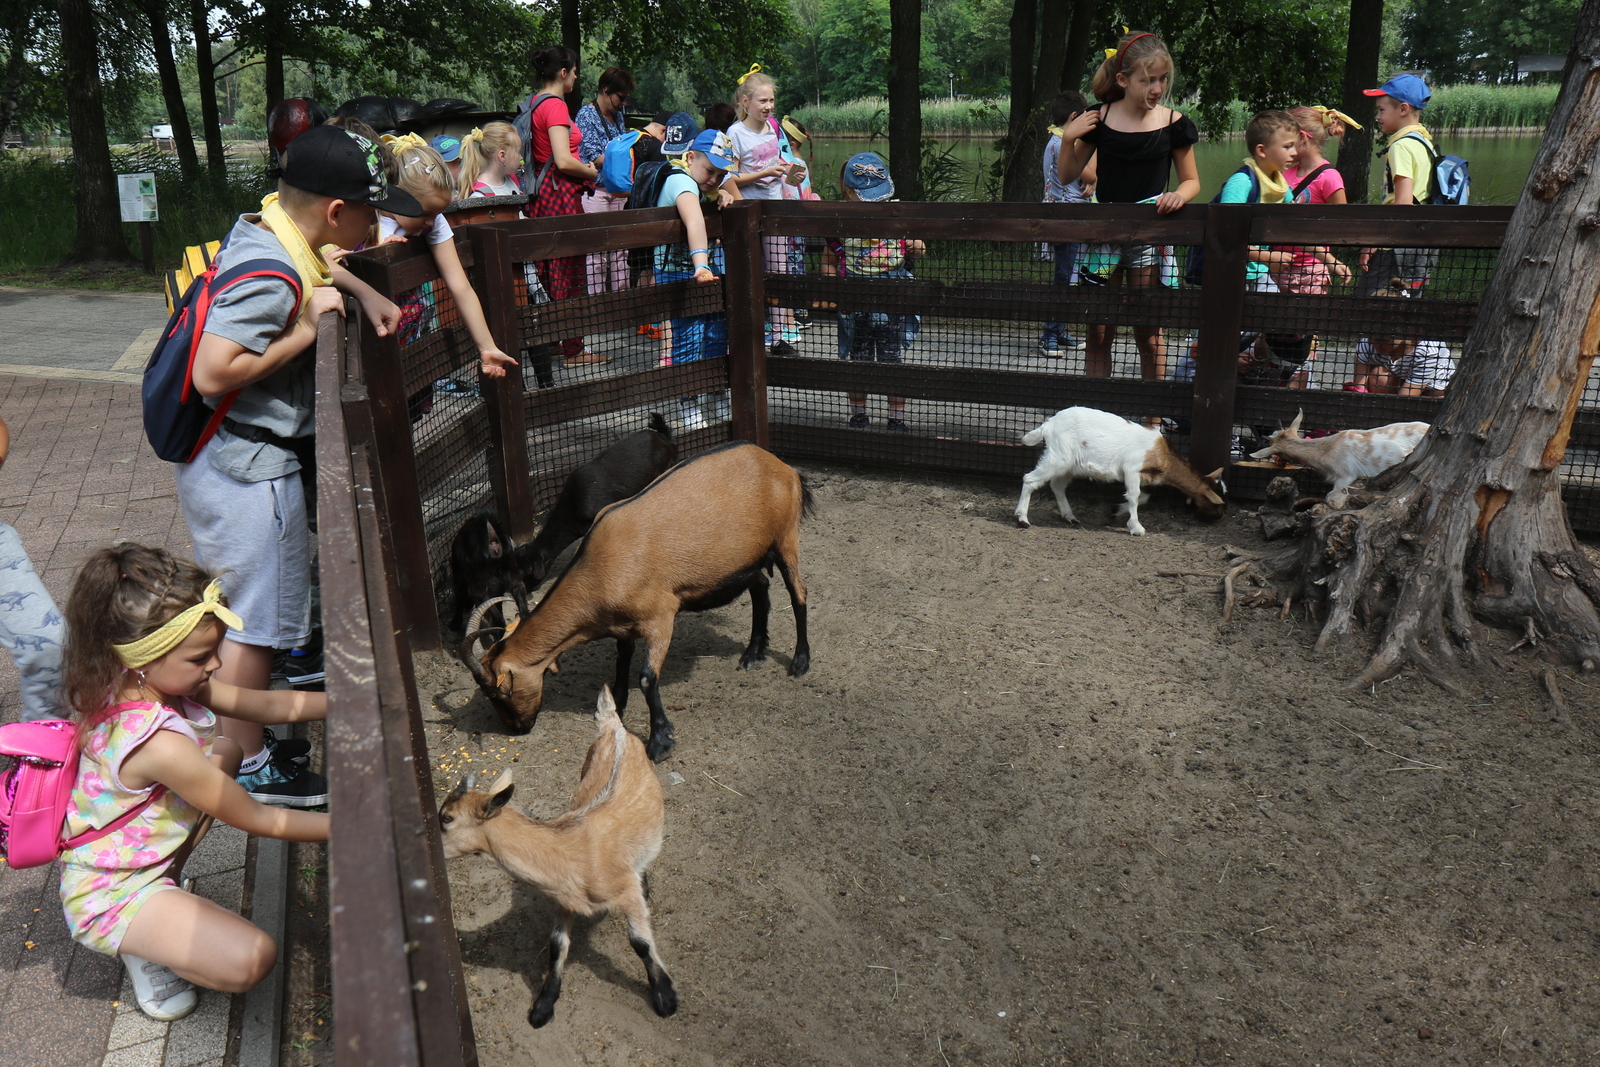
x=471 y=657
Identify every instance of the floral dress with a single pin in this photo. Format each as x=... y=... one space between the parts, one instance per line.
x=105 y=882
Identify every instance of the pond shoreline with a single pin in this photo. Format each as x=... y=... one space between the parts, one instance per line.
x=968 y=135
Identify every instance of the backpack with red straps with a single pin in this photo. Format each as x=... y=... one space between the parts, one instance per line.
x=177 y=419
x=36 y=791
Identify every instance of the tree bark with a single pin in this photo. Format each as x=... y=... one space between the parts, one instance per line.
x=571 y=37
x=905 y=97
x=1471 y=528
x=99 y=237
x=276 y=25
x=1362 y=51
x=1080 y=38
x=1024 y=29
x=171 y=90
x=206 y=70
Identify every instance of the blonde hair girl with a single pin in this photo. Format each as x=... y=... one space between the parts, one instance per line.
x=421 y=171
x=1317 y=124
x=767 y=170
x=490 y=157
x=1136 y=143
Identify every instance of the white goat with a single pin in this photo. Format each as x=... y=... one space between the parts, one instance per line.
x=588 y=861
x=1087 y=443
x=1348 y=455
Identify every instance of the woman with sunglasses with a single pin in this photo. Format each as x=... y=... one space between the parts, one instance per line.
x=599 y=122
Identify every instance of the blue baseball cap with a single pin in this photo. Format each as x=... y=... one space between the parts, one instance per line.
x=448 y=147
x=1406 y=88
x=716 y=146
x=680 y=134
x=867 y=175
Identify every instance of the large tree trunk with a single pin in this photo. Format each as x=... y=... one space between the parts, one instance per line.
x=171 y=90
x=1034 y=85
x=206 y=70
x=1080 y=38
x=99 y=237
x=571 y=37
x=18 y=34
x=1362 y=51
x=905 y=97
x=1471 y=527
x=276 y=19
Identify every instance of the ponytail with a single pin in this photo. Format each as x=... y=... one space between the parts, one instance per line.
x=479 y=147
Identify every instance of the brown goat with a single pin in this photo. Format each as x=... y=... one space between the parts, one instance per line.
x=589 y=861
x=692 y=540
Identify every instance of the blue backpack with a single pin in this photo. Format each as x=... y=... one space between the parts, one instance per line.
x=1451 y=185
x=621 y=160
x=177 y=420
x=1194 y=272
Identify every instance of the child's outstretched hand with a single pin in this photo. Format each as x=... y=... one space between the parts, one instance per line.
x=383 y=312
x=492 y=362
x=704 y=275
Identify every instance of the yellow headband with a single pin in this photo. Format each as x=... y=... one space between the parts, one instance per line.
x=755 y=68
x=794 y=131
x=1330 y=115
x=153 y=646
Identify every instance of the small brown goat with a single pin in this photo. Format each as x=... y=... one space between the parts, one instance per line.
x=692 y=540
x=589 y=861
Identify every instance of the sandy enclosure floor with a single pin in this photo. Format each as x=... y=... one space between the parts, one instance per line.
x=1035 y=804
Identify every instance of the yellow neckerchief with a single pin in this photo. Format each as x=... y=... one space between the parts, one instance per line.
x=308 y=262
x=170 y=635
x=1273 y=190
x=1053 y=131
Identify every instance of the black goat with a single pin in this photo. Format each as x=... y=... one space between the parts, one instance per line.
x=625 y=467
x=482 y=565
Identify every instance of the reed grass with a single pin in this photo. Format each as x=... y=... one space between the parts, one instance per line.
x=1453 y=107
x=39 y=190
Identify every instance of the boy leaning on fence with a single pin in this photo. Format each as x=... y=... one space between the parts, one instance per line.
x=244 y=494
x=1407 y=180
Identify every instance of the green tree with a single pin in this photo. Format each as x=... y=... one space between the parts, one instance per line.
x=1480 y=40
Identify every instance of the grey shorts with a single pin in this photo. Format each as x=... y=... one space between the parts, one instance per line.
x=1101 y=261
x=254 y=536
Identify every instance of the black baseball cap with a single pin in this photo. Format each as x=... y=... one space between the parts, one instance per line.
x=329 y=161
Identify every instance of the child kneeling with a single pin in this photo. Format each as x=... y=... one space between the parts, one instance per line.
x=143 y=631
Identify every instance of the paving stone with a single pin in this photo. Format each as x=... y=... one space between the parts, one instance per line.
x=134 y=1027
x=202 y=1036
x=145 y=1055
x=222 y=849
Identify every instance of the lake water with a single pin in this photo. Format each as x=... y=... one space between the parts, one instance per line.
x=1500 y=162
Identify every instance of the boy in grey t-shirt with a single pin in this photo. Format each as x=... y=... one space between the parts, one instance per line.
x=242 y=496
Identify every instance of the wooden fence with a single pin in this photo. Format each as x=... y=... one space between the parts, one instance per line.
x=394 y=482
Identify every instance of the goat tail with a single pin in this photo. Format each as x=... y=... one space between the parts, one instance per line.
x=659 y=425
x=606 y=717
x=1035 y=436
x=808 y=502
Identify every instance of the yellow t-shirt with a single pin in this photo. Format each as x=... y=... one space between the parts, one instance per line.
x=1408 y=158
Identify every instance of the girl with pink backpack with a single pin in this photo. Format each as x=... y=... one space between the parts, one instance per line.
x=143 y=630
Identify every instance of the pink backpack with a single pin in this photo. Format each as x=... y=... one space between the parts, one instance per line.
x=36 y=790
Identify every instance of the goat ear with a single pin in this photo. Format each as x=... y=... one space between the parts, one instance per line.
x=498 y=799
x=1294 y=427
x=606 y=705
x=511 y=628
x=1214 y=475
x=502 y=782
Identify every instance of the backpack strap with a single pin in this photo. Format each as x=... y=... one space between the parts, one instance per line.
x=116 y=824
x=1301 y=185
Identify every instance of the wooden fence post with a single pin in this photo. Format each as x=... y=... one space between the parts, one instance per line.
x=1227 y=251
x=744 y=297
x=509 y=474
x=396 y=481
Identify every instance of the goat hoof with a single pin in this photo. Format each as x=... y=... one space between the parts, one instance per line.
x=800 y=664
x=663 y=998
x=540 y=1014
x=751 y=657
x=659 y=745
x=1022 y=522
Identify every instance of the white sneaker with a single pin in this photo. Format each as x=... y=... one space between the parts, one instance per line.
x=161 y=994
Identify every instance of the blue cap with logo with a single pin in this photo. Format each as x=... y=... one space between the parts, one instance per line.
x=867 y=175
x=1406 y=88
x=716 y=146
x=448 y=147
x=680 y=134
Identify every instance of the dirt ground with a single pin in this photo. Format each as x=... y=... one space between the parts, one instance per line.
x=1035 y=804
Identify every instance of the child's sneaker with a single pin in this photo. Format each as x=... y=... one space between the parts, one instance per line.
x=159 y=993
x=790 y=334
x=898 y=426
x=1049 y=346
x=781 y=347
x=301 y=667
x=1072 y=344
x=295 y=749
x=286 y=784
x=859 y=422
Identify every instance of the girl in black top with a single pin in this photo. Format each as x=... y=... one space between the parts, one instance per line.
x=1138 y=142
